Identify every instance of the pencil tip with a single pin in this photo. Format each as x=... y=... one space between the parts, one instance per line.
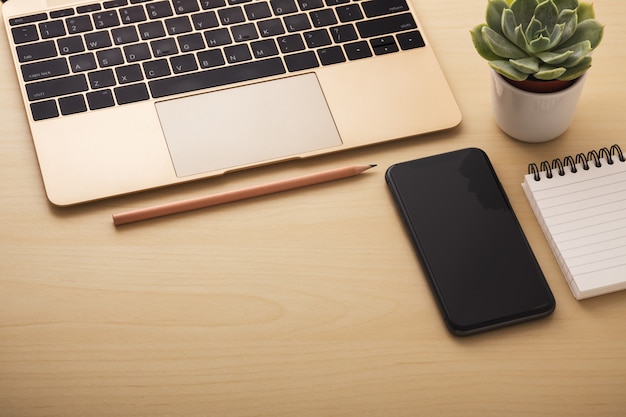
x=373 y=165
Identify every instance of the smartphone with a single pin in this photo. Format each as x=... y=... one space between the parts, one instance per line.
x=480 y=267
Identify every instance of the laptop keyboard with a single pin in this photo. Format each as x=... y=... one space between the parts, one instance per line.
x=125 y=51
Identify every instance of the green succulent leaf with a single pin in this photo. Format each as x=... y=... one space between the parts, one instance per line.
x=481 y=46
x=500 y=45
x=555 y=36
x=528 y=65
x=547 y=13
x=534 y=30
x=585 y=11
x=524 y=10
x=569 y=20
x=494 y=14
x=590 y=30
x=577 y=52
x=577 y=71
x=539 y=44
x=506 y=69
x=548 y=72
x=512 y=31
x=566 y=4
x=553 y=58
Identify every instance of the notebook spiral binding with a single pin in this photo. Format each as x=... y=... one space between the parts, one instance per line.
x=580 y=159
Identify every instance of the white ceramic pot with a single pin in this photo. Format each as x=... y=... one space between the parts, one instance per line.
x=533 y=117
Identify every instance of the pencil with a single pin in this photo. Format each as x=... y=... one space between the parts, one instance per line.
x=237 y=195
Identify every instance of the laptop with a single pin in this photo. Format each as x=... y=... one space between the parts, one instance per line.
x=128 y=95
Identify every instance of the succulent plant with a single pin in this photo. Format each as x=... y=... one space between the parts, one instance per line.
x=541 y=39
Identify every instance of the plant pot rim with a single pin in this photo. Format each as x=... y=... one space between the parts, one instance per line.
x=533 y=93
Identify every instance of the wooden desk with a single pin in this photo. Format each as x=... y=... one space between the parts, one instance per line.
x=306 y=304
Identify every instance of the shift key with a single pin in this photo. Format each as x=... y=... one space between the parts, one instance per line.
x=56 y=87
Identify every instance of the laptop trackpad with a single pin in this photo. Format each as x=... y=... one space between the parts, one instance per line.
x=247 y=125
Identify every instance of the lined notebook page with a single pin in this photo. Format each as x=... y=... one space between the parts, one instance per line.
x=583 y=216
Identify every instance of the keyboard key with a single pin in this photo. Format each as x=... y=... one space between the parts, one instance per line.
x=290 y=43
x=159 y=9
x=211 y=58
x=345 y=33
x=216 y=77
x=28 y=19
x=44 y=110
x=71 y=45
x=52 y=29
x=322 y=18
x=205 y=20
x=237 y=53
x=231 y=15
x=310 y=4
x=332 y=55
x=257 y=11
x=357 y=50
x=217 y=37
x=105 y=20
x=25 y=34
x=192 y=42
x=164 y=47
x=297 y=23
x=271 y=27
x=137 y=52
x=36 y=51
x=61 y=13
x=129 y=74
x=151 y=30
x=317 y=38
x=44 y=69
x=386 y=25
x=115 y=3
x=178 y=25
x=78 y=24
x=98 y=40
x=264 y=48
x=376 y=8
x=88 y=8
x=133 y=14
x=131 y=93
x=56 y=87
x=301 y=61
x=183 y=63
x=125 y=35
x=101 y=79
x=244 y=33
x=83 y=62
x=110 y=57
x=349 y=13
x=72 y=105
x=100 y=99
x=186 y=6
x=411 y=40
x=156 y=69
x=283 y=6
x=212 y=4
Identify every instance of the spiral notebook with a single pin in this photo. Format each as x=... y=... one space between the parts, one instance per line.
x=580 y=203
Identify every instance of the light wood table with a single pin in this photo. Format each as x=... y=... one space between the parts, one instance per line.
x=307 y=304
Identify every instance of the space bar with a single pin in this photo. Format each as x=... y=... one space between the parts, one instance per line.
x=216 y=77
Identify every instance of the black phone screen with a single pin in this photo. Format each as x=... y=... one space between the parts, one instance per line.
x=481 y=268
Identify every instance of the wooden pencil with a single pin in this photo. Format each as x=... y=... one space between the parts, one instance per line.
x=237 y=195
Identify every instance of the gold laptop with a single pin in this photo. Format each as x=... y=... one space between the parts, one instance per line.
x=127 y=95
